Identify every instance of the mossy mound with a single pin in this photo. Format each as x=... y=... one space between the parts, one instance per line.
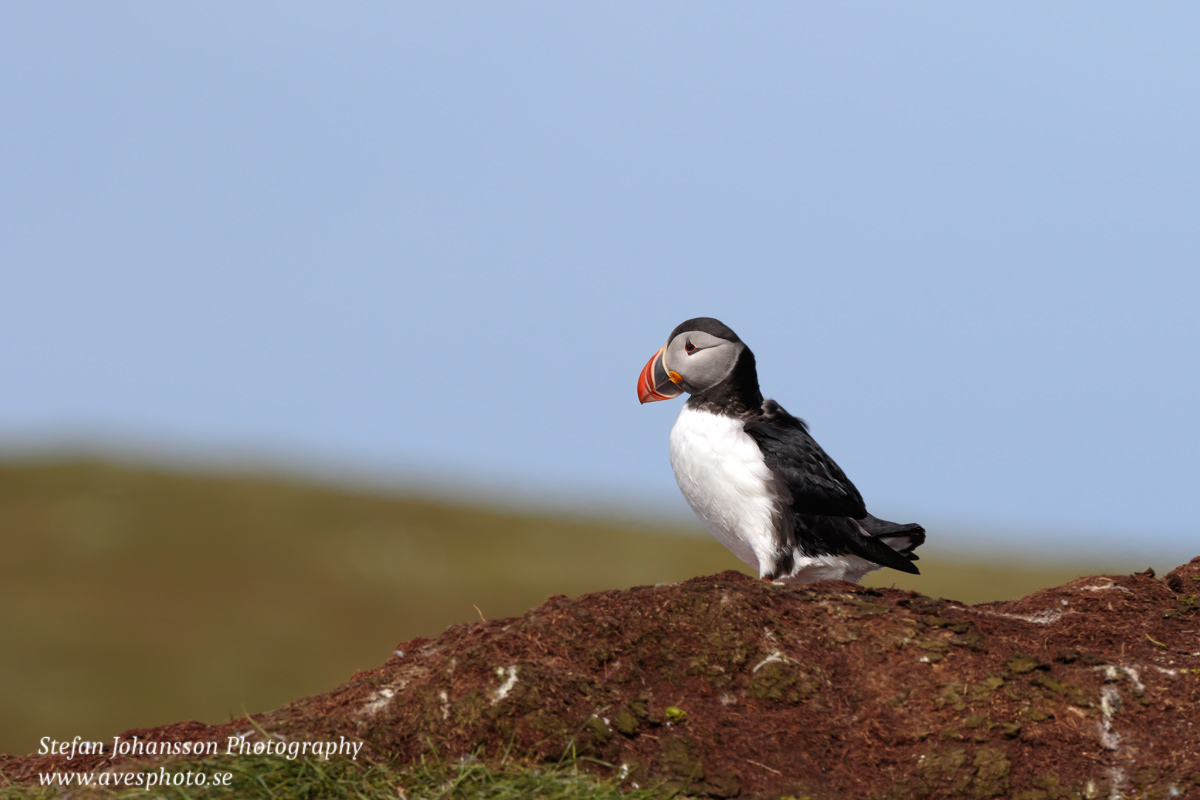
x=724 y=686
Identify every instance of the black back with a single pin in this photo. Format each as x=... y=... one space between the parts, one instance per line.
x=819 y=508
x=815 y=483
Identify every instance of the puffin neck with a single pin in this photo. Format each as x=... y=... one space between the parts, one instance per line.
x=737 y=395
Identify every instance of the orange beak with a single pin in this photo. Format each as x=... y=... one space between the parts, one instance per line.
x=656 y=381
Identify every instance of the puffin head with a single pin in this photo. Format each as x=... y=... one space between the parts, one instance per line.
x=699 y=355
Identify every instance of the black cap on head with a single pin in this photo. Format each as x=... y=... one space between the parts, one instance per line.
x=708 y=325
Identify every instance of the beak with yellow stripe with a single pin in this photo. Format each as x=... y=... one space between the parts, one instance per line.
x=657 y=382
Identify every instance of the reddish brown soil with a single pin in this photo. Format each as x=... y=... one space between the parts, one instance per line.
x=727 y=687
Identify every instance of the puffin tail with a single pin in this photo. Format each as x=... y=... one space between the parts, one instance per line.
x=904 y=539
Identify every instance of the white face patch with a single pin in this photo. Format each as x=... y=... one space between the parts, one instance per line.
x=701 y=359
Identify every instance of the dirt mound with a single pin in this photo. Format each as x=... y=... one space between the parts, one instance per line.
x=726 y=686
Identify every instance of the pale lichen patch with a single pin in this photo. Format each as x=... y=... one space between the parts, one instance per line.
x=1110 y=704
x=1132 y=672
x=1039 y=618
x=1104 y=587
x=378 y=701
x=510 y=680
x=775 y=656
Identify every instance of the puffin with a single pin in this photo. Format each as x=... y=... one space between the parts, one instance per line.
x=753 y=474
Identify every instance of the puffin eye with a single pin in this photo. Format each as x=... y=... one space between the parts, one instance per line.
x=690 y=348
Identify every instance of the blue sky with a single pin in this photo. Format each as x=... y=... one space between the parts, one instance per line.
x=442 y=240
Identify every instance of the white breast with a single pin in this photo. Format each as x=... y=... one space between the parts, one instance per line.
x=721 y=472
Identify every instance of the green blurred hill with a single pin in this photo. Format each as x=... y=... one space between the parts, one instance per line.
x=137 y=596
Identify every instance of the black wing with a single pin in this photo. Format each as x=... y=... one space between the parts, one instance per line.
x=817 y=485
